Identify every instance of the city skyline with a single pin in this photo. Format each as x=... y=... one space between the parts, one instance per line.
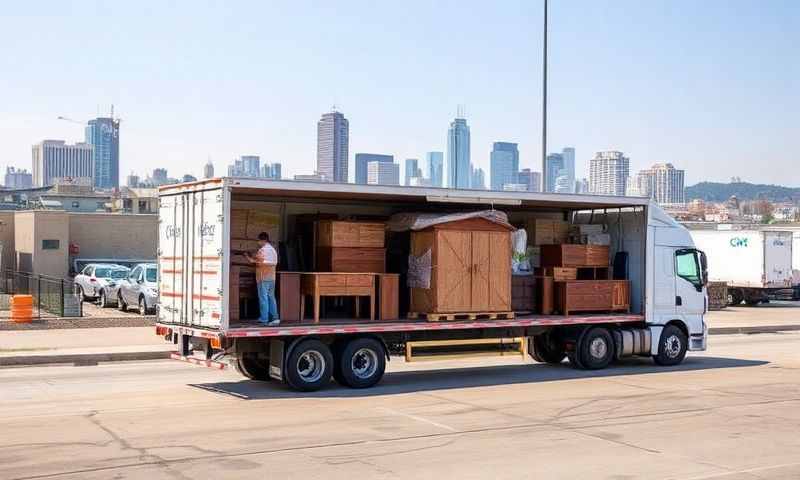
x=719 y=83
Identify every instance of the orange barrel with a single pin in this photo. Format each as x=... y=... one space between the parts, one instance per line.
x=21 y=308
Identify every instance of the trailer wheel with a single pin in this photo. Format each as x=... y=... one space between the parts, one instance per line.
x=362 y=363
x=596 y=348
x=547 y=349
x=309 y=366
x=252 y=367
x=735 y=296
x=671 y=347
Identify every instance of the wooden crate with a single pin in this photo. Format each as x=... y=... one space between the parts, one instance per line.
x=289 y=297
x=351 y=259
x=471 y=267
x=546 y=231
x=573 y=255
x=388 y=296
x=523 y=293
x=335 y=233
x=592 y=296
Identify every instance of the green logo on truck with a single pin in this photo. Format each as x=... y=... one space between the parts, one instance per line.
x=739 y=242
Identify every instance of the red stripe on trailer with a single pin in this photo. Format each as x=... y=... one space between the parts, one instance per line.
x=194 y=331
x=298 y=330
x=172 y=294
x=172 y=271
x=205 y=297
x=198 y=361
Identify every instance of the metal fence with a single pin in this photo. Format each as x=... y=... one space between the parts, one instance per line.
x=54 y=296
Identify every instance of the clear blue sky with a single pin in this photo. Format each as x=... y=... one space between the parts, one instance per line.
x=712 y=86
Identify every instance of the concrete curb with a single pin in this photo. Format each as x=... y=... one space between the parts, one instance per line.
x=752 y=329
x=80 y=359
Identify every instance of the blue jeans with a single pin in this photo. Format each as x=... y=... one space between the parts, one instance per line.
x=266 y=301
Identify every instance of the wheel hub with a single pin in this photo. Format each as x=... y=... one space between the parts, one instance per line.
x=310 y=366
x=672 y=346
x=364 y=363
x=598 y=348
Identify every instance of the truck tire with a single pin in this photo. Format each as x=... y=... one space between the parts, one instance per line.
x=361 y=363
x=252 y=367
x=309 y=366
x=735 y=296
x=546 y=349
x=671 y=347
x=596 y=348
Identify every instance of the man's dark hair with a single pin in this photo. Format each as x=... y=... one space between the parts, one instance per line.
x=263 y=236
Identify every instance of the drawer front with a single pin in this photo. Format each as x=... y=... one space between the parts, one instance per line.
x=371 y=235
x=360 y=280
x=360 y=291
x=589 y=288
x=333 y=290
x=332 y=280
x=597 y=255
x=375 y=266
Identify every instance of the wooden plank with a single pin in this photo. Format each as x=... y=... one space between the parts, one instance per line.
x=289 y=297
x=389 y=296
x=480 y=271
x=499 y=271
x=453 y=268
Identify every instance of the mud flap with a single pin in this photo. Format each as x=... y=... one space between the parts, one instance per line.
x=276 y=359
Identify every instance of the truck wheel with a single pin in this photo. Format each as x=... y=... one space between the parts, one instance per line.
x=252 y=367
x=596 y=348
x=671 y=347
x=309 y=366
x=362 y=363
x=547 y=350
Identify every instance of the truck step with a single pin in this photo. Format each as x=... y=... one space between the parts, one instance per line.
x=476 y=347
x=438 y=317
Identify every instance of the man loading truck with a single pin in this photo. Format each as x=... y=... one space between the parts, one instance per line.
x=266 y=262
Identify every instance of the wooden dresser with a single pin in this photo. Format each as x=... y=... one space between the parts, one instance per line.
x=592 y=296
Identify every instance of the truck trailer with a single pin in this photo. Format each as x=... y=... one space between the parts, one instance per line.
x=205 y=226
x=756 y=264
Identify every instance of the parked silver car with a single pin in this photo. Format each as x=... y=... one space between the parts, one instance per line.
x=140 y=288
x=100 y=281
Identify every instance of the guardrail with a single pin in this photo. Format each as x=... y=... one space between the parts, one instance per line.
x=55 y=296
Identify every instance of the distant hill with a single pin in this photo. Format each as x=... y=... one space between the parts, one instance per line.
x=719 y=192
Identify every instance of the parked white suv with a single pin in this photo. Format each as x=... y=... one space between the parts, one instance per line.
x=100 y=281
x=140 y=289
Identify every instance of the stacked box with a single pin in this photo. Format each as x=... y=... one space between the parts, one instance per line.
x=352 y=247
x=545 y=231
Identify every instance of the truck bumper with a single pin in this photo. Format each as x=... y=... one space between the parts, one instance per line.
x=698 y=342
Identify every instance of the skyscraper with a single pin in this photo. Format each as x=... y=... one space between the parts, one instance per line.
x=568 y=154
x=383 y=173
x=55 y=159
x=208 y=170
x=18 y=178
x=412 y=170
x=478 y=181
x=532 y=179
x=102 y=134
x=503 y=165
x=662 y=182
x=333 y=143
x=435 y=165
x=251 y=165
x=362 y=159
x=458 y=157
x=608 y=173
x=555 y=163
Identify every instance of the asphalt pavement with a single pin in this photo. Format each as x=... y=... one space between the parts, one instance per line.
x=732 y=413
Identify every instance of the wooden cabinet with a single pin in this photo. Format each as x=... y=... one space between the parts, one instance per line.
x=351 y=259
x=289 y=297
x=335 y=233
x=350 y=247
x=523 y=293
x=388 y=296
x=572 y=255
x=592 y=296
x=471 y=267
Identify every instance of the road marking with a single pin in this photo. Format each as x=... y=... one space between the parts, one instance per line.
x=419 y=419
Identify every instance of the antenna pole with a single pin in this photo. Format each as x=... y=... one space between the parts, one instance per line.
x=544 y=103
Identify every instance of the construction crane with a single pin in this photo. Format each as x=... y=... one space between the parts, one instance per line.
x=67 y=119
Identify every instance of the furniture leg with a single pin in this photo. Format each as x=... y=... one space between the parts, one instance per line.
x=372 y=305
x=302 y=307
x=316 y=307
x=357 y=299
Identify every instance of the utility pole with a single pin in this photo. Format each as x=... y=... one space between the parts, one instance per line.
x=544 y=103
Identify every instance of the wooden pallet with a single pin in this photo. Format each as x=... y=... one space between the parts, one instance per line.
x=437 y=317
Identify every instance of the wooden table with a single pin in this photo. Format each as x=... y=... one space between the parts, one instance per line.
x=335 y=284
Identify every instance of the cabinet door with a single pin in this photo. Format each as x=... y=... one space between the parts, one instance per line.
x=453 y=271
x=499 y=271
x=620 y=296
x=481 y=271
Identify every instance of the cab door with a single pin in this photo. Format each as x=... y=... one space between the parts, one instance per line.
x=690 y=291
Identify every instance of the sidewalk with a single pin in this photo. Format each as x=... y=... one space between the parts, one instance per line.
x=81 y=346
x=772 y=317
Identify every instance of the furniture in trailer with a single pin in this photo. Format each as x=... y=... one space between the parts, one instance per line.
x=470 y=269
x=331 y=284
x=592 y=296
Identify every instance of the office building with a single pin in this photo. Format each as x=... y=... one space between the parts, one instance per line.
x=55 y=159
x=103 y=134
x=362 y=159
x=17 y=178
x=458 y=156
x=554 y=164
x=532 y=179
x=608 y=173
x=132 y=181
x=434 y=162
x=271 y=171
x=159 y=176
x=560 y=165
x=333 y=143
x=564 y=184
x=383 y=173
x=412 y=170
x=250 y=165
x=582 y=186
x=663 y=183
x=503 y=165
x=478 y=181
x=208 y=170
x=568 y=170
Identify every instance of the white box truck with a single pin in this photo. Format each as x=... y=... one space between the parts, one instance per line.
x=755 y=263
x=204 y=227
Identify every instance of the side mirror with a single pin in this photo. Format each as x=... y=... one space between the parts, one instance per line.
x=703 y=267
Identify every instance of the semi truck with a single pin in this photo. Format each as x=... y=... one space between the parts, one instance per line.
x=204 y=225
x=756 y=264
